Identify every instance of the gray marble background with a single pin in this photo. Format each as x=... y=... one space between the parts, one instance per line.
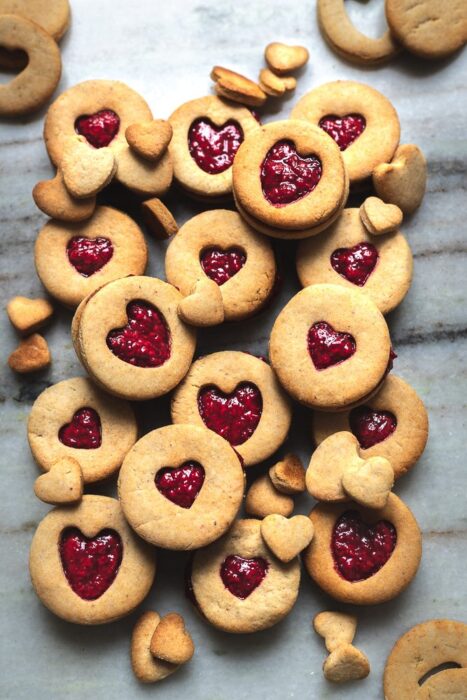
x=165 y=50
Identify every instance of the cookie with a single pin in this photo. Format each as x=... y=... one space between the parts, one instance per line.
x=29 y=315
x=282 y=58
x=53 y=198
x=239 y=585
x=86 y=564
x=86 y=171
x=131 y=340
x=450 y=684
x=149 y=139
x=336 y=628
x=158 y=219
x=171 y=640
x=392 y=424
x=31 y=355
x=207 y=133
x=380 y=218
x=262 y=499
x=203 y=306
x=236 y=87
x=349 y=256
x=286 y=538
x=402 y=181
x=329 y=346
x=361 y=120
x=288 y=475
x=237 y=396
x=271 y=83
x=146 y=667
x=181 y=474
x=73 y=260
x=75 y=419
x=346 y=663
x=62 y=484
x=361 y=556
x=219 y=245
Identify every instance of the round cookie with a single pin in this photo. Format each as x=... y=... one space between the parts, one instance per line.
x=239 y=585
x=236 y=395
x=75 y=419
x=73 y=260
x=86 y=564
x=329 y=347
x=423 y=648
x=363 y=556
x=182 y=474
x=348 y=255
x=220 y=245
x=362 y=121
x=207 y=133
x=130 y=339
x=392 y=424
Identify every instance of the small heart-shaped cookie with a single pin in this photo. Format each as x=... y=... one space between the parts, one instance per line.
x=204 y=306
x=158 y=219
x=63 y=483
x=403 y=180
x=86 y=170
x=336 y=628
x=370 y=483
x=378 y=217
x=149 y=139
x=236 y=87
x=287 y=538
x=146 y=668
x=288 y=475
x=28 y=315
x=282 y=58
x=346 y=663
x=262 y=499
x=271 y=83
x=31 y=355
x=171 y=641
x=53 y=198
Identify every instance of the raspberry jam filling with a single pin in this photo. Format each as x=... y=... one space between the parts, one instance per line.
x=371 y=427
x=344 y=130
x=360 y=550
x=181 y=485
x=355 y=264
x=145 y=340
x=84 y=432
x=89 y=255
x=234 y=416
x=287 y=176
x=213 y=148
x=241 y=576
x=328 y=347
x=220 y=265
x=90 y=564
x=98 y=129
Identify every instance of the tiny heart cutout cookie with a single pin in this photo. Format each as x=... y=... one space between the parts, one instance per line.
x=149 y=139
x=346 y=663
x=336 y=628
x=86 y=171
x=28 y=315
x=204 y=306
x=171 y=642
x=287 y=538
x=380 y=218
x=370 y=483
x=62 y=484
x=282 y=58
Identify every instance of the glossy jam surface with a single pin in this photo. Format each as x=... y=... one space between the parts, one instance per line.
x=234 y=416
x=241 y=576
x=344 y=130
x=355 y=264
x=370 y=426
x=287 y=176
x=90 y=563
x=181 y=485
x=98 y=129
x=84 y=432
x=89 y=255
x=213 y=148
x=220 y=265
x=145 y=340
x=329 y=347
x=360 y=550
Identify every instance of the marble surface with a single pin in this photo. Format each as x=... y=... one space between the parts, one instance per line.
x=165 y=50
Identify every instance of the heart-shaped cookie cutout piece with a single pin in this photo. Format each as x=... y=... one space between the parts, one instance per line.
x=158 y=219
x=288 y=475
x=86 y=171
x=403 y=180
x=236 y=87
x=146 y=667
x=63 y=483
x=171 y=641
x=378 y=217
x=262 y=499
x=327 y=465
x=149 y=139
x=28 y=315
x=271 y=83
x=336 y=628
x=53 y=198
x=346 y=663
x=204 y=306
x=31 y=355
x=286 y=538
x=369 y=483
x=282 y=58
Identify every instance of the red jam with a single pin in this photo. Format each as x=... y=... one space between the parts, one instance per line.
x=328 y=347
x=286 y=176
x=390 y=365
x=98 y=129
x=220 y=265
x=371 y=427
x=181 y=485
x=355 y=264
x=234 y=416
x=89 y=255
x=84 y=432
x=90 y=563
x=145 y=340
x=344 y=130
x=213 y=148
x=241 y=576
x=360 y=550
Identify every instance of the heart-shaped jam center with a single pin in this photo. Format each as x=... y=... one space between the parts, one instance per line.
x=355 y=264
x=220 y=265
x=344 y=130
x=98 y=129
x=145 y=340
x=241 y=576
x=360 y=550
x=213 y=148
x=328 y=347
x=88 y=255
x=371 y=427
x=90 y=563
x=234 y=416
x=181 y=485
x=287 y=176
x=84 y=432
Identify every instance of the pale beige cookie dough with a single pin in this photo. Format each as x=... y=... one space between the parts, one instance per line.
x=146 y=667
